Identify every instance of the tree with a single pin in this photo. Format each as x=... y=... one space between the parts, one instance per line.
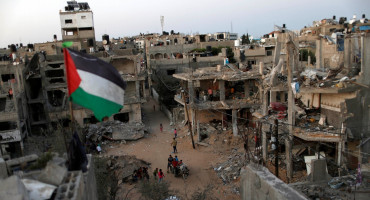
x=248 y=41
x=244 y=40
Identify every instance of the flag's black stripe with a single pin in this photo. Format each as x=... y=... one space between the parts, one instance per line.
x=96 y=66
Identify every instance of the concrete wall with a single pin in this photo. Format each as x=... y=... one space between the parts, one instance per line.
x=359 y=111
x=124 y=65
x=90 y=181
x=259 y=184
x=79 y=19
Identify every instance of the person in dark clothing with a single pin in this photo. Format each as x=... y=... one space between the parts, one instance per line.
x=155 y=173
x=77 y=155
x=170 y=159
x=145 y=173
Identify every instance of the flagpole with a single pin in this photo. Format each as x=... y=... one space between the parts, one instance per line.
x=71 y=117
x=70 y=107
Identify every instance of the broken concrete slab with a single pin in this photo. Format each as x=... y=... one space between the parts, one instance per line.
x=319 y=171
x=53 y=174
x=38 y=190
x=13 y=188
x=3 y=170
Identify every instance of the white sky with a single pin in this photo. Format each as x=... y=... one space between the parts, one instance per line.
x=38 y=20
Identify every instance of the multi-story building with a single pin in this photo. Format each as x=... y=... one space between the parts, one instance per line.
x=77 y=25
x=218 y=93
x=13 y=112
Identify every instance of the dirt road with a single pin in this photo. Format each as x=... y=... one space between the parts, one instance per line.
x=156 y=147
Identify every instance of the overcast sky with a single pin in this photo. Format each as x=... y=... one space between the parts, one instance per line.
x=33 y=21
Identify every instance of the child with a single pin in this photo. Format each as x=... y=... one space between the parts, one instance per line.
x=160 y=175
x=175 y=131
x=155 y=173
x=161 y=127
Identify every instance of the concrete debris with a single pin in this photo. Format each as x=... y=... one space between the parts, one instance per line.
x=230 y=169
x=115 y=130
x=38 y=190
x=53 y=174
x=313 y=74
x=13 y=188
x=206 y=129
x=124 y=166
x=342 y=187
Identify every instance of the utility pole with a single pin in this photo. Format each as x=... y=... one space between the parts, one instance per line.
x=291 y=115
x=276 y=135
x=187 y=115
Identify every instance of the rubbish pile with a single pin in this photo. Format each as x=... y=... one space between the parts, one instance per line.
x=115 y=130
x=230 y=170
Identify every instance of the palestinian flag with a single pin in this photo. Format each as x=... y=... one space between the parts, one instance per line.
x=94 y=84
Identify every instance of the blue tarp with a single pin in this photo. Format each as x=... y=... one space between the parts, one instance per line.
x=364 y=28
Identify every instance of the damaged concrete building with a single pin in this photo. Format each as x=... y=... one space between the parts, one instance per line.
x=322 y=109
x=177 y=53
x=13 y=112
x=40 y=94
x=220 y=93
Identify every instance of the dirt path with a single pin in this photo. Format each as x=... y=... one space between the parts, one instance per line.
x=156 y=148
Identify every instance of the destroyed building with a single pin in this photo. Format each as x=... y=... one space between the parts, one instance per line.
x=322 y=109
x=220 y=93
x=13 y=113
x=177 y=53
x=40 y=93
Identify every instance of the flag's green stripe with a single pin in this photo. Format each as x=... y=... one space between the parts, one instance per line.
x=100 y=106
x=67 y=44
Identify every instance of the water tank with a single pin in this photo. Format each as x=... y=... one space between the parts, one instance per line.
x=363 y=16
x=237 y=43
x=21 y=45
x=13 y=48
x=90 y=42
x=334 y=17
x=106 y=37
x=30 y=46
x=283 y=25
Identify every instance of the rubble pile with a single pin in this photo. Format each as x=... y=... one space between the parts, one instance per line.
x=205 y=130
x=337 y=188
x=217 y=124
x=115 y=130
x=230 y=170
x=124 y=166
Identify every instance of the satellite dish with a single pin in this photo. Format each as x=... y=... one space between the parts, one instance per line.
x=105 y=42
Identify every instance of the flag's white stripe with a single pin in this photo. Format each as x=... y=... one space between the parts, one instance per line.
x=101 y=87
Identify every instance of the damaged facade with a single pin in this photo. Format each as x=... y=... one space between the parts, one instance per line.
x=13 y=112
x=213 y=89
x=40 y=94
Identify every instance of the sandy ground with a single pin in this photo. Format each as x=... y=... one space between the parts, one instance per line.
x=156 y=147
